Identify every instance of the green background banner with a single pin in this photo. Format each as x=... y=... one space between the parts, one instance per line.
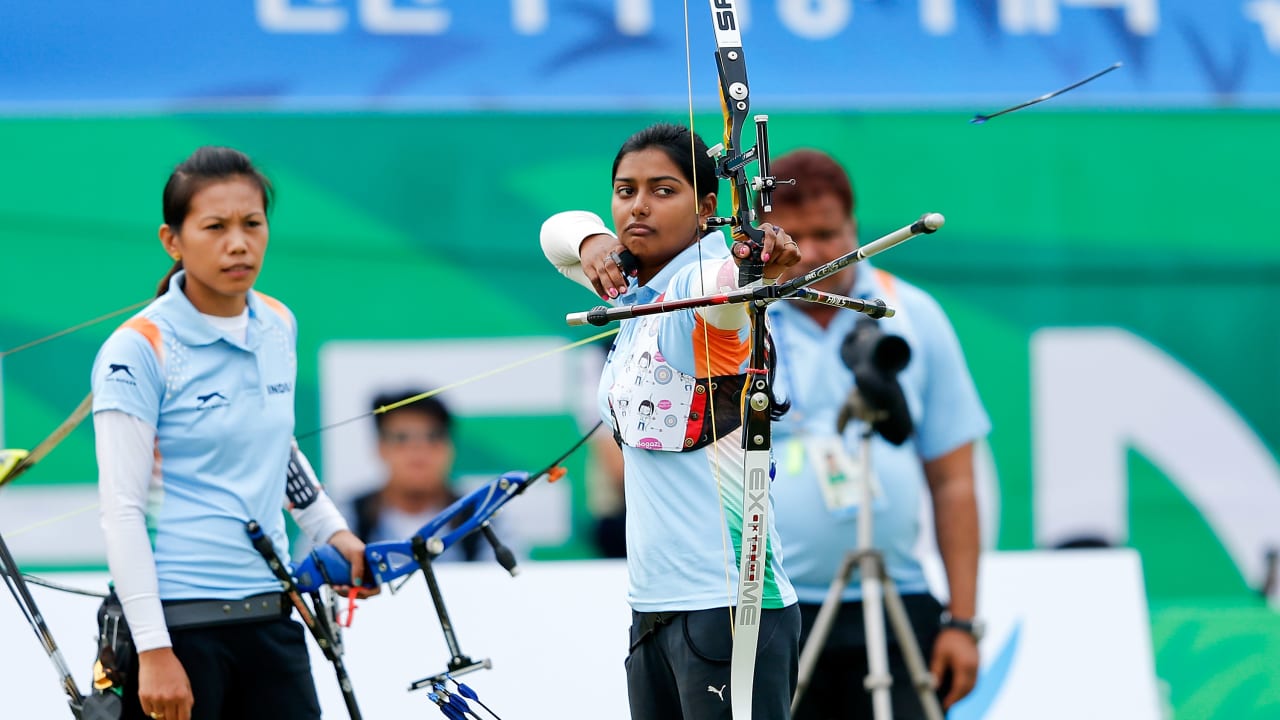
x=396 y=226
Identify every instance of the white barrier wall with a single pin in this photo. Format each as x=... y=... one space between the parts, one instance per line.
x=1068 y=637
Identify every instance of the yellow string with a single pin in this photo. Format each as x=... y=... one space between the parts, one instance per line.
x=51 y=521
x=383 y=409
x=73 y=328
x=460 y=383
x=725 y=541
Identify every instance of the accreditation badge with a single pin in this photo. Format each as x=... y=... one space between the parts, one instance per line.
x=840 y=474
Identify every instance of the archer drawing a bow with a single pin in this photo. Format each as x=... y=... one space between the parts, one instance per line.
x=758 y=405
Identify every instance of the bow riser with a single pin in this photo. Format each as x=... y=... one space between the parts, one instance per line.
x=735 y=101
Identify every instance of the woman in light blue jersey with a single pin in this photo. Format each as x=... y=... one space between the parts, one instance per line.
x=672 y=391
x=193 y=415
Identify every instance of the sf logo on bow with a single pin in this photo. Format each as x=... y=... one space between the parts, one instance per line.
x=724 y=14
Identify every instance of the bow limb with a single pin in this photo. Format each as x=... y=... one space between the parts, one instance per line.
x=9 y=568
x=46 y=446
x=753 y=540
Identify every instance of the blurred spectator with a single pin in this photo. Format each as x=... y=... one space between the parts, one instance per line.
x=603 y=472
x=415 y=443
x=608 y=506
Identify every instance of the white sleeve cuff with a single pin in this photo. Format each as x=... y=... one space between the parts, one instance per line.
x=722 y=277
x=562 y=235
x=320 y=520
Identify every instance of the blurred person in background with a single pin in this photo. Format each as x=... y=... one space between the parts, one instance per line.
x=415 y=443
x=609 y=507
x=819 y=526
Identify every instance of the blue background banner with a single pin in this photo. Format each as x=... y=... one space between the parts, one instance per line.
x=141 y=55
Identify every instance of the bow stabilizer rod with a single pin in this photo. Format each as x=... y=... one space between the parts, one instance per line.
x=794 y=289
x=322 y=630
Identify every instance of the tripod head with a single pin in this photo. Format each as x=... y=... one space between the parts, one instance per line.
x=877 y=397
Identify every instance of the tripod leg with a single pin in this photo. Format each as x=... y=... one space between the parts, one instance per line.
x=878 y=679
x=822 y=628
x=920 y=676
x=871 y=567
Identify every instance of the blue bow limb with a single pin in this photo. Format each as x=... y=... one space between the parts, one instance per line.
x=392 y=559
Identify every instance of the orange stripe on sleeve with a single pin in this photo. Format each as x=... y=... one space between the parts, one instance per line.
x=148 y=330
x=728 y=351
x=276 y=306
x=888 y=281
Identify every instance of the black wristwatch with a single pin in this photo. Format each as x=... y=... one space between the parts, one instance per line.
x=975 y=627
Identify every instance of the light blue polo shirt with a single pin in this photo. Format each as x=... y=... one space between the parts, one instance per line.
x=944 y=405
x=223 y=413
x=676 y=556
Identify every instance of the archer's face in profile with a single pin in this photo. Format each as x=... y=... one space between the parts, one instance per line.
x=655 y=210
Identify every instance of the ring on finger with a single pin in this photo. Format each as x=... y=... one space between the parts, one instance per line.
x=155 y=715
x=616 y=258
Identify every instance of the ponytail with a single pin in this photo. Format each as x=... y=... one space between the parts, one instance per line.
x=163 y=287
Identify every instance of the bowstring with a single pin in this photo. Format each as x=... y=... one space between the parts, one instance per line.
x=457 y=384
x=78 y=326
x=384 y=409
x=725 y=540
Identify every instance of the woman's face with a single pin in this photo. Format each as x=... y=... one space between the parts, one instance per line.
x=418 y=453
x=655 y=210
x=221 y=244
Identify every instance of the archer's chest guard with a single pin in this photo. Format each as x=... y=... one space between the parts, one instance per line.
x=657 y=407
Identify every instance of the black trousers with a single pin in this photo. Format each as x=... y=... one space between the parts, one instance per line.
x=680 y=670
x=836 y=691
x=244 y=671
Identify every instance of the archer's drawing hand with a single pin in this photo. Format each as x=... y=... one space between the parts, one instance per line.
x=603 y=258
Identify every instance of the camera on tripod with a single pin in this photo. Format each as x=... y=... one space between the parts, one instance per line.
x=876 y=359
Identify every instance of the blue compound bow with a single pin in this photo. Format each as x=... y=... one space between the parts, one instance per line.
x=394 y=559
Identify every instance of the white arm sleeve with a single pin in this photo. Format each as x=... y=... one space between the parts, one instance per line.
x=722 y=277
x=125 y=448
x=317 y=515
x=562 y=235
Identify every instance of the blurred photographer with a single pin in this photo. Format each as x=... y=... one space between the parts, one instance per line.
x=911 y=372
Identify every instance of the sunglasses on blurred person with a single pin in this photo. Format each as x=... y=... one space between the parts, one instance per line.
x=405 y=437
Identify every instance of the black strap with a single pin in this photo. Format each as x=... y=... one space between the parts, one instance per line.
x=187 y=614
x=115 y=643
x=649 y=622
